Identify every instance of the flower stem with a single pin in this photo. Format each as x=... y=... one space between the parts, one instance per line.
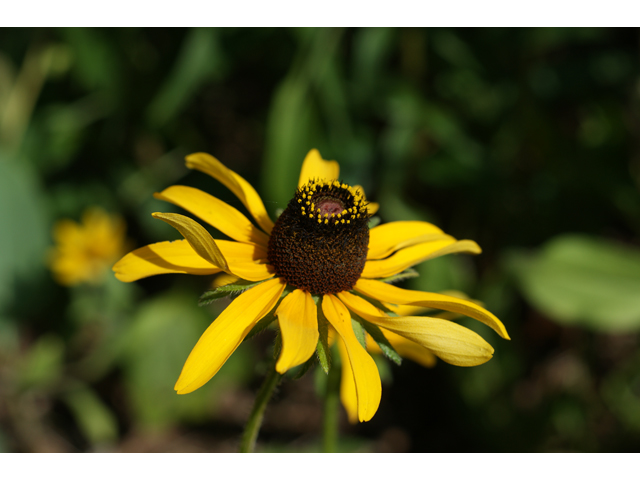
x=248 y=443
x=330 y=421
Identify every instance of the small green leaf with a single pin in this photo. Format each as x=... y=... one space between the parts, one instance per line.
x=373 y=221
x=225 y=290
x=408 y=273
x=323 y=350
x=382 y=341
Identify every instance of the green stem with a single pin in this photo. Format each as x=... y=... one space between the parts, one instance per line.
x=330 y=420
x=248 y=443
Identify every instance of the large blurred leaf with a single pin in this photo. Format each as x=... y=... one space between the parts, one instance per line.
x=585 y=281
x=163 y=333
x=23 y=236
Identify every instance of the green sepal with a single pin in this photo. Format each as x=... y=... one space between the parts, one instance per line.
x=408 y=273
x=261 y=325
x=373 y=221
x=359 y=331
x=382 y=341
x=323 y=351
x=304 y=368
x=226 y=290
x=277 y=346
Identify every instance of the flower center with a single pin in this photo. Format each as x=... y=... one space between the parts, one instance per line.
x=319 y=244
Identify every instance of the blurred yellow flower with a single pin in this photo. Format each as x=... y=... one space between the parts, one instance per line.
x=84 y=251
x=319 y=267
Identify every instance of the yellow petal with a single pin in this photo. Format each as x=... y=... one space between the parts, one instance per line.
x=179 y=257
x=234 y=182
x=315 y=167
x=405 y=348
x=197 y=236
x=348 y=395
x=226 y=333
x=365 y=372
x=298 y=321
x=392 y=294
x=160 y=258
x=410 y=256
x=205 y=246
x=215 y=212
x=389 y=237
x=447 y=340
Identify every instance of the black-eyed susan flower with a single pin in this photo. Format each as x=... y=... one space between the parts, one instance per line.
x=85 y=251
x=320 y=270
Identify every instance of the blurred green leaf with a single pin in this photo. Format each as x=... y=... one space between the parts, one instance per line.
x=200 y=59
x=42 y=365
x=94 y=418
x=164 y=331
x=24 y=236
x=582 y=280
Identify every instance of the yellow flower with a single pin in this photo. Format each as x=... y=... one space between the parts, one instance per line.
x=318 y=261
x=85 y=251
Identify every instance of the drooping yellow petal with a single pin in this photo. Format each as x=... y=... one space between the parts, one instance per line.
x=215 y=212
x=392 y=294
x=234 y=182
x=365 y=372
x=389 y=237
x=205 y=246
x=348 y=395
x=449 y=341
x=415 y=254
x=298 y=321
x=226 y=333
x=315 y=167
x=405 y=348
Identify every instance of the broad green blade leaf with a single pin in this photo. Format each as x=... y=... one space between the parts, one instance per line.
x=582 y=280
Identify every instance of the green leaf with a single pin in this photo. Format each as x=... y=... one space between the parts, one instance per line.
x=200 y=60
x=408 y=273
x=163 y=331
x=323 y=350
x=382 y=341
x=225 y=290
x=582 y=280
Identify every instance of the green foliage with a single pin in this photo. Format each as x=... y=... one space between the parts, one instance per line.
x=581 y=280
